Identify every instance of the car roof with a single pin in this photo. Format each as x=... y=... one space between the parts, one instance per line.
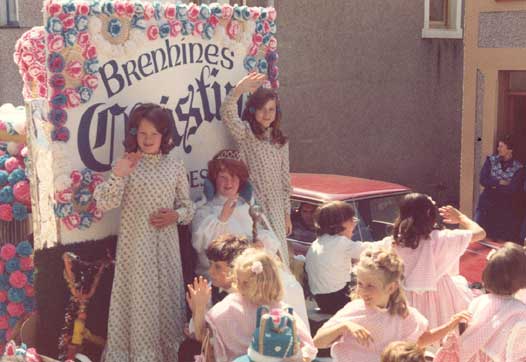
x=326 y=187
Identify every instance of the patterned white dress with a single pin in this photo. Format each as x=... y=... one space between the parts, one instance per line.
x=268 y=166
x=147 y=309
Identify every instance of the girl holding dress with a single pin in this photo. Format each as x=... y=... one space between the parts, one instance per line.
x=265 y=150
x=147 y=308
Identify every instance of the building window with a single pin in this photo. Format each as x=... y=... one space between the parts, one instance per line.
x=442 y=19
x=8 y=13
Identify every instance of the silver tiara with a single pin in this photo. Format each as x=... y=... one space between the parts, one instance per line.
x=229 y=155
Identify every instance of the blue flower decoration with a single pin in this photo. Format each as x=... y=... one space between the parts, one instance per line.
x=16 y=295
x=249 y=63
x=3 y=146
x=70 y=37
x=139 y=8
x=13 y=321
x=3 y=309
x=69 y=8
x=164 y=30
x=215 y=9
x=133 y=131
x=57 y=116
x=60 y=134
x=245 y=12
x=208 y=32
x=259 y=27
x=237 y=13
x=56 y=63
x=158 y=10
x=2 y=160
x=63 y=210
x=204 y=12
x=24 y=248
x=29 y=304
x=266 y=38
x=19 y=211
x=54 y=25
x=114 y=27
x=108 y=8
x=30 y=276
x=59 y=100
x=4 y=282
x=85 y=220
x=91 y=66
x=6 y=195
x=85 y=94
x=12 y=265
x=188 y=28
x=180 y=11
x=87 y=176
x=263 y=13
x=16 y=175
x=3 y=177
x=138 y=22
x=83 y=196
x=273 y=27
x=81 y=22
x=262 y=66
x=95 y=8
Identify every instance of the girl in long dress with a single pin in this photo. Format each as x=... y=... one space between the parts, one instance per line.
x=147 y=308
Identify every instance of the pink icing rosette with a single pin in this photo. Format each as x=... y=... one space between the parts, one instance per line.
x=193 y=12
x=74 y=69
x=82 y=8
x=170 y=12
x=24 y=152
x=36 y=71
x=83 y=38
x=175 y=27
x=4 y=322
x=76 y=178
x=90 y=81
x=226 y=11
x=254 y=13
x=22 y=193
x=53 y=9
x=68 y=21
x=272 y=44
x=17 y=279
x=26 y=263
x=15 y=309
x=55 y=42
x=73 y=97
x=97 y=214
x=149 y=11
x=8 y=251
x=271 y=13
x=120 y=8
x=11 y=164
x=3 y=295
x=213 y=20
x=257 y=39
x=198 y=27
x=130 y=9
x=64 y=196
x=89 y=52
x=28 y=58
x=72 y=221
x=232 y=29
x=152 y=32
x=30 y=290
x=42 y=91
x=253 y=50
x=266 y=27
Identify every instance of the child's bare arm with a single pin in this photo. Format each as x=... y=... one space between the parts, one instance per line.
x=453 y=216
x=436 y=334
x=326 y=336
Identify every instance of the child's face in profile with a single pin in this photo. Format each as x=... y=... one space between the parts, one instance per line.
x=370 y=287
x=266 y=114
x=219 y=272
x=148 y=138
x=348 y=226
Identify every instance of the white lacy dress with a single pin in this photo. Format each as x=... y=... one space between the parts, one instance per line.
x=147 y=309
x=268 y=166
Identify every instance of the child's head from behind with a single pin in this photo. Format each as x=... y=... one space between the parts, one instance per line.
x=221 y=254
x=379 y=276
x=335 y=218
x=256 y=275
x=418 y=217
x=262 y=111
x=149 y=130
x=505 y=271
x=402 y=351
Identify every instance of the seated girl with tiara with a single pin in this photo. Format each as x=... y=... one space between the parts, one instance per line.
x=232 y=321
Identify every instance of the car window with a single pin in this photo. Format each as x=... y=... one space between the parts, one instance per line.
x=302 y=217
x=361 y=231
x=379 y=214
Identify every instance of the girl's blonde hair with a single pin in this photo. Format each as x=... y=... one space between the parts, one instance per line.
x=402 y=351
x=264 y=282
x=392 y=269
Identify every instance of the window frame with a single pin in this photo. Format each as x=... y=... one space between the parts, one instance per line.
x=7 y=14
x=450 y=28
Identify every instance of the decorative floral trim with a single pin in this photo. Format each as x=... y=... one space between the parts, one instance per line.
x=15 y=196
x=75 y=205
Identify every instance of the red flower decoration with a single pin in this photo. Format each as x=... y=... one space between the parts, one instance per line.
x=4 y=322
x=15 y=309
x=152 y=32
x=26 y=263
x=17 y=279
x=6 y=213
x=7 y=252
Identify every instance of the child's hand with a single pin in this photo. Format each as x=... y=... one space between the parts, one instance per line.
x=250 y=83
x=127 y=164
x=361 y=334
x=199 y=294
x=164 y=218
x=228 y=208
x=462 y=317
x=450 y=214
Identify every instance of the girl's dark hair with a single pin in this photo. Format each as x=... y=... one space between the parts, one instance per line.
x=418 y=217
x=507 y=140
x=227 y=247
x=505 y=272
x=256 y=101
x=156 y=115
x=329 y=217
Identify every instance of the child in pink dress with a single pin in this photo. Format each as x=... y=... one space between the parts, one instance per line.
x=431 y=256
x=497 y=330
x=364 y=327
x=233 y=320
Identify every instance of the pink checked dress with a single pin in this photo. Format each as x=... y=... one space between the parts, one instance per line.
x=233 y=321
x=428 y=277
x=496 y=333
x=384 y=328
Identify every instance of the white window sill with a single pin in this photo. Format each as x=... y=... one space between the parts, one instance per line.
x=442 y=33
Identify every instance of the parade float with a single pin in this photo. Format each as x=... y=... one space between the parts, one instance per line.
x=84 y=71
